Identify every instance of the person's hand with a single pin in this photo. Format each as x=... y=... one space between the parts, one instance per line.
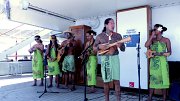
x=53 y=59
x=118 y=44
x=88 y=53
x=153 y=33
x=103 y=46
x=166 y=54
x=30 y=51
x=67 y=43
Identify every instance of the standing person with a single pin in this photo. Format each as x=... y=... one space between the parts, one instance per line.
x=159 y=70
x=110 y=67
x=91 y=57
x=68 y=65
x=37 y=62
x=53 y=65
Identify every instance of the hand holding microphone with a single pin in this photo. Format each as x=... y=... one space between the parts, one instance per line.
x=153 y=32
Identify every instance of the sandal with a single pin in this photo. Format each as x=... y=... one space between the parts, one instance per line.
x=72 y=88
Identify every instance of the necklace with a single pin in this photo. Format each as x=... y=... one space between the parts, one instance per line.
x=109 y=36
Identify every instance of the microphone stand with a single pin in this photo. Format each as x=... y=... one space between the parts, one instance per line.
x=45 y=86
x=84 y=61
x=138 y=63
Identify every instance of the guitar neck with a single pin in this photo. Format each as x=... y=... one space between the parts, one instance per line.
x=158 y=53
x=113 y=44
x=121 y=41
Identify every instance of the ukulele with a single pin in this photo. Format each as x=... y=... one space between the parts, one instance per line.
x=100 y=52
x=61 y=52
x=150 y=53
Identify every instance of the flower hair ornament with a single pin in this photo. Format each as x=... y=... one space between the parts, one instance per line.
x=160 y=29
x=50 y=38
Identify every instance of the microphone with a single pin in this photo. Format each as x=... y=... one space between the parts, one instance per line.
x=153 y=30
x=139 y=37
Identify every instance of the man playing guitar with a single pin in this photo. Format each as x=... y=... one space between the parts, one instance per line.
x=110 y=67
x=68 y=64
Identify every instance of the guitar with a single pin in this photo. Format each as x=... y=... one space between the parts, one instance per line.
x=86 y=51
x=150 y=53
x=61 y=53
x=100 y=52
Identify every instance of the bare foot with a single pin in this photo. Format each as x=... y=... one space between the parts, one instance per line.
x=41 y=84
x=72 y=88
x=57 y=86
x=91 y=91
x=34 y=84
x=50 y=86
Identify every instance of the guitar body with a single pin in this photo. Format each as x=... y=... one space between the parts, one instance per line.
x=62 y=52
x=61 y=55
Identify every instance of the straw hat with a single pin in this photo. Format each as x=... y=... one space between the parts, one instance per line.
x=68 y=31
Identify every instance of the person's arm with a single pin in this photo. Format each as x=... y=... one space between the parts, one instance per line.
x=81 y=56
x=47 y=52
x=168 y=43
x=96 y=43
x=121 y=45
x=94 y=51
x=32 y=49
x=149 y=41
x=74 y=43
x=61 y=45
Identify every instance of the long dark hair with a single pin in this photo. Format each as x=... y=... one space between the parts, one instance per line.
x=56 y=45
x=105 y=23
x=91 y=32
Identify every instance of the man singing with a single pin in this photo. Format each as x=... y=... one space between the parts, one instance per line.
x=110 y=67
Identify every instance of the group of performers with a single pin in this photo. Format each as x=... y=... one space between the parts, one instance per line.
x=110 y=66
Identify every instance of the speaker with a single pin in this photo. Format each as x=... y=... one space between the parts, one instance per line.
x=175 y=91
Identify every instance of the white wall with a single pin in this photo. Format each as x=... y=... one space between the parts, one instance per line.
x=169 y=17
x=128 y=24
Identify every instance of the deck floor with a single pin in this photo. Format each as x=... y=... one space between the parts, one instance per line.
x=18 y=88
